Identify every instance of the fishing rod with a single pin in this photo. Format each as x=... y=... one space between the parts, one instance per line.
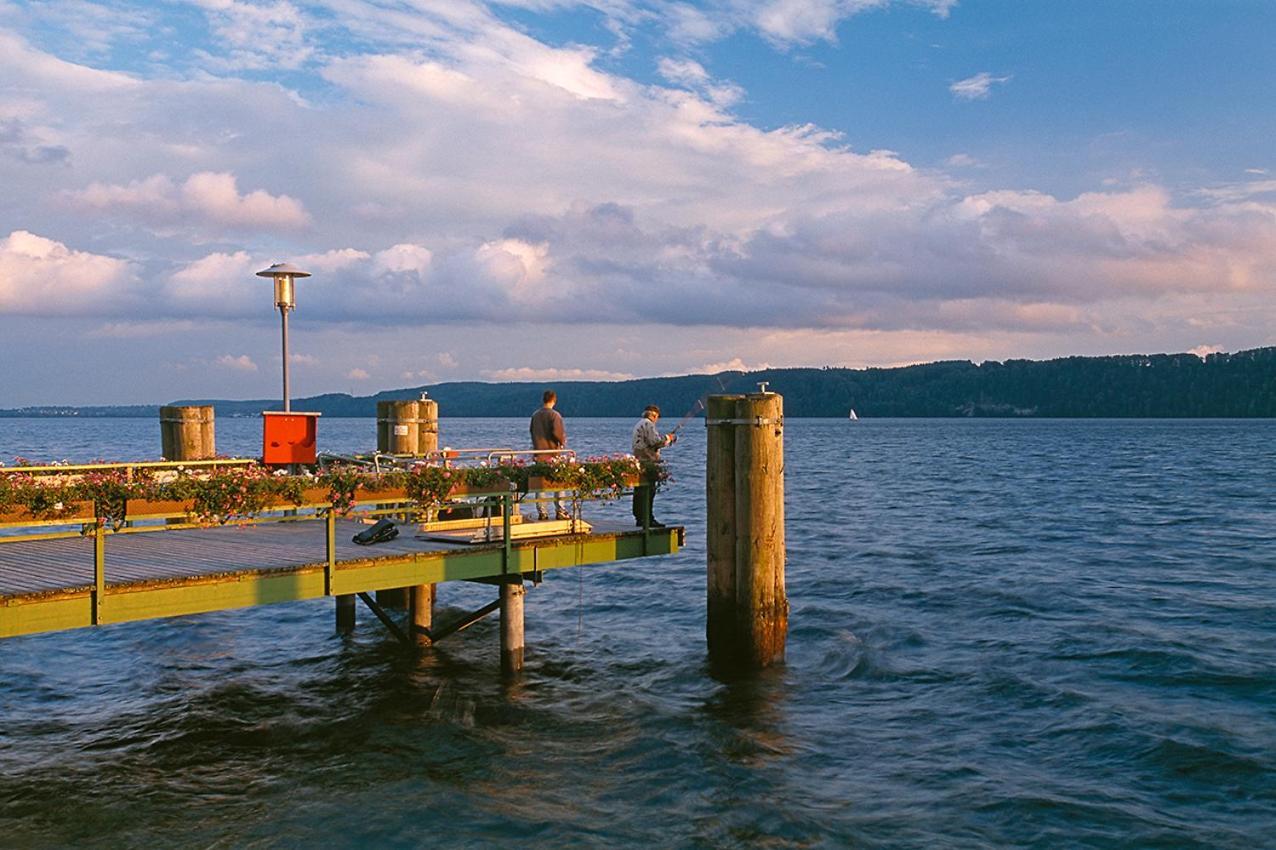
x=698 y=406
x=695 y=408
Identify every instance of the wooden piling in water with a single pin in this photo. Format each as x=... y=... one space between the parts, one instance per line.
x=187 y=432
x=512 y=595
x=421 y=598
x=748 y=608
x=345 y=613
x=421 y=612
x=720 y=522
x=398 y=432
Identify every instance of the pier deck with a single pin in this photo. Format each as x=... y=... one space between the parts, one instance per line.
x=65 y=583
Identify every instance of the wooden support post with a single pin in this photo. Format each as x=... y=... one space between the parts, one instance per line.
x=402 y=430
x=187 y=433
x=345 y=613
x=512 y=594
x=427 y=412
x=421 y=598
x=720 y=522
x=398 y=427
x=748 y=606
x=421 y=613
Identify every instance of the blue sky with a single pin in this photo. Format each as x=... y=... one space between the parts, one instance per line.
x=550 y=189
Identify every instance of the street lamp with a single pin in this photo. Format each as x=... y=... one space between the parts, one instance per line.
x=284 y=275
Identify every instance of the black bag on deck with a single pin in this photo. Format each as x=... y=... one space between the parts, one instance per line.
x=381 y=532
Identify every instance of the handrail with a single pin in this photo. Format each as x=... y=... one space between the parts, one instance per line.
x=72 y=469
x=503 y=454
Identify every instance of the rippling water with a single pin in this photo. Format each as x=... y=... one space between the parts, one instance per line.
x=1027 y=633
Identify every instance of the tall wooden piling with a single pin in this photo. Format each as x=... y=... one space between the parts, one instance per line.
x=408 y=427
x=187 y=432
x=421 y=612
x=345 y=613
x=512 y=595
x=421 y=598
x=748 y=608
x=427 y=414
x=720 y=527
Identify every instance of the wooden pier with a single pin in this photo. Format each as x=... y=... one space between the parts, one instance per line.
x=102 y=577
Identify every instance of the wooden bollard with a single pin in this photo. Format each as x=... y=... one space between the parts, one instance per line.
x=720 y=527
x=748 y=609
x=427 y=414
x=398 y=432
x=512 y=595
x=398 y=427
x=422 y=597
x=187 y=433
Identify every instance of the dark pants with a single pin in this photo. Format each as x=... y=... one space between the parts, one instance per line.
x=644 y=501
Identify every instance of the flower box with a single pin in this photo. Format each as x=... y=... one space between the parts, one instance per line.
x=73 y=512
x=494 y=488
x=541 y=484
x=158 y=507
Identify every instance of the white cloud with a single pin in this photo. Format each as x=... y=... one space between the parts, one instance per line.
x=978 y=87
x=735 y=364
x=43 y=277
x=456 y=172
x=358 y=374
x=218 y=283
x=242 y=363
x=527 y=373
x=961 y=160
x=142 y=329
x=205 y=197
x=257 y=35
x=1203 y=351
x=692 y=75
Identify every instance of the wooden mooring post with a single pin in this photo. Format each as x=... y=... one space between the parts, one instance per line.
x=188 y=432
x=748 y=610
x=512 y=596
x=409 y=427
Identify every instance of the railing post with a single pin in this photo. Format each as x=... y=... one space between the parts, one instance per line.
x=99 y=571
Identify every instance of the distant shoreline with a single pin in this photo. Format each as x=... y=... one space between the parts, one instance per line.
x=1241 y=385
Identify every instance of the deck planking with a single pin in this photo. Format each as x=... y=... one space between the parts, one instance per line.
x=66 y=564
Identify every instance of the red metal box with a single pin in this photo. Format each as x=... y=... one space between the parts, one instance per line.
x=288 y=437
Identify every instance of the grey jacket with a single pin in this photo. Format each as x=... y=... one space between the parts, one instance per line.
x=547 y=429
x=647 y=440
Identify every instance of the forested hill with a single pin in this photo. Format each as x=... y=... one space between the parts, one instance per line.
x=1160 y=385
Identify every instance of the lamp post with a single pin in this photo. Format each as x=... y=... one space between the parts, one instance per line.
x=284 y=276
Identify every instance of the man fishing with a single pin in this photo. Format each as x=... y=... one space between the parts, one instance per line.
x=647 y=445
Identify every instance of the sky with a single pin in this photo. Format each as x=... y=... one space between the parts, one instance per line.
x=549 y=190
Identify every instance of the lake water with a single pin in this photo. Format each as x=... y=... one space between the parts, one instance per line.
x=1003 y=633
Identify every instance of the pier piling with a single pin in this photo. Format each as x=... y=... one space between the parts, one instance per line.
x=747 y=615
x=187 y=433
x=345 y=613
x=512 y=595
x=408 y=427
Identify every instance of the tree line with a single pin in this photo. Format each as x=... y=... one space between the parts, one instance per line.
x=1242 y=384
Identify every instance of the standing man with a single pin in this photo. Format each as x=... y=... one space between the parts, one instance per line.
x=647 y=445
x=548 y=433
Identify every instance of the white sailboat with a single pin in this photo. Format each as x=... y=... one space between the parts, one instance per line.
x=853 y=417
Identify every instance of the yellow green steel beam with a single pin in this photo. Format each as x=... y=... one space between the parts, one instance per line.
x=144 y=600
